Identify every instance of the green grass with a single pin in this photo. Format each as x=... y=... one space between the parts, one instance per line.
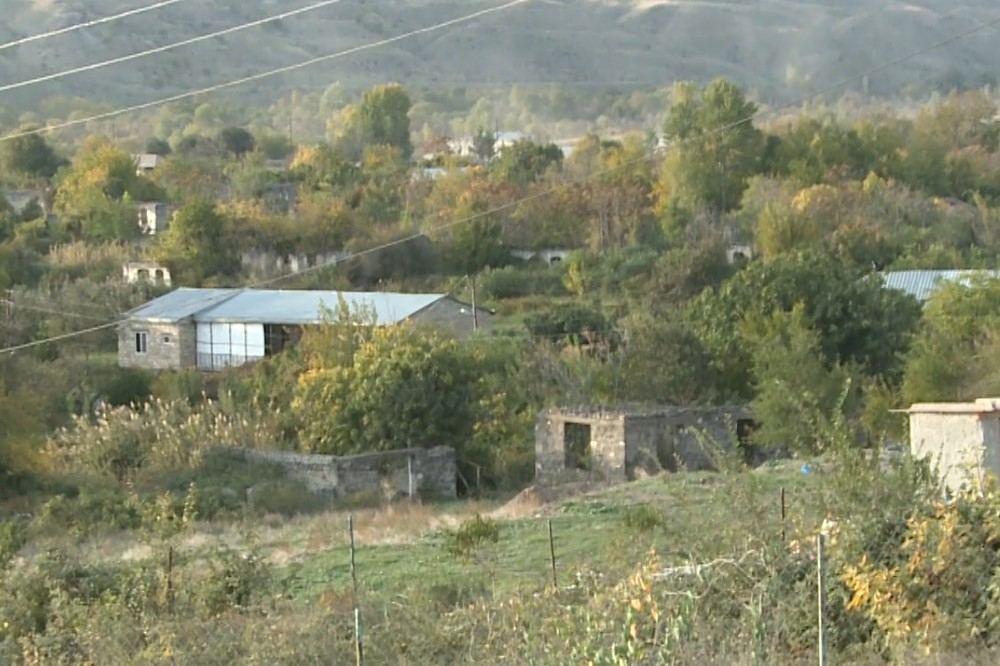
x=702 y=513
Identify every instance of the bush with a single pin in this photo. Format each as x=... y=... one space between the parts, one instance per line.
x=234 y=581
x=94 y=506
x=518 y=282
x=12 y=537
x=643 y=518
x=471 y=535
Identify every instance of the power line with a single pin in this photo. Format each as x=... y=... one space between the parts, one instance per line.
x=168 y=47
x=88 y=24
x=57 y=338
x=267 y=74
x=543 y=193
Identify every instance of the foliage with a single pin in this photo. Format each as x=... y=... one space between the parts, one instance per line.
x=29 y=156
x=643 y=518
x=12 y=537
x=237 y=140
x=857 y=320
x=381 y=119
x=400 y=388
x=795 y=391
x=525 y=162
x=234 y=581
x=195 y=246
x=952 y=354
x=96 y=195
x=472 y=535
x=574 y=323
x=715 y=147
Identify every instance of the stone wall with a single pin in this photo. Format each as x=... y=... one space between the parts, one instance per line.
x=627 y=442
x=168 y=346
x=960 y=441
x=434 y=471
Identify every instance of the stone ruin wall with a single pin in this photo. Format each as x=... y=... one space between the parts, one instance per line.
x=434 y=471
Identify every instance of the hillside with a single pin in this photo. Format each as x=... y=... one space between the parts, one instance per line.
x=778 y=48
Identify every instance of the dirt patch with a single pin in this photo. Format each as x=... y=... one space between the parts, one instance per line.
x=533 y=500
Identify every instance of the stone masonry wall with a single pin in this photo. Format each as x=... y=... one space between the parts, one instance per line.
x=434 y=471
x=954 y=445
x=169 y=346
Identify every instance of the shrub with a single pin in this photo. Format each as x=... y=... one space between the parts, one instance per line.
x=94 y=506
x=518 y=282
x=642 y=517
x=12 y=537
x=234 y=581
x=471 y=535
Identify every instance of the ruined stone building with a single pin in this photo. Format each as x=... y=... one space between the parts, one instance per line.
x=617 y=444
x=960 y=440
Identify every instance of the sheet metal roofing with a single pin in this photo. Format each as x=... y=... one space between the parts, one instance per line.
x=922 y=284
x=279 y=307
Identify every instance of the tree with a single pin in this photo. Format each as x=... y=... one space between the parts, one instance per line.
x=857 y=319
x=526 y=161
x=794 y=387
x=954 y=354
x=716 y=148
x=196 y=245
x=157 y=146
x=29 y=156
x=402 y=387
x=237 y=140
x=96 y=196
x=380 y=119
x=664 y=362
x=484 y=144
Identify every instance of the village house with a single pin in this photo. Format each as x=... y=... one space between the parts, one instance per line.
x=622 y=443
x=146 y=163
x=549 y=256
x=154 y=217
x=213 y=329
x=922 y=284
x=21 y=200
x=136 y=272
x=960 y=441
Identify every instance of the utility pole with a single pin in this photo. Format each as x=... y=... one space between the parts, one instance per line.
x=475 y=309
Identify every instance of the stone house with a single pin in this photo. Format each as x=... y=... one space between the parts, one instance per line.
x=960 y=440
x=154 y=217
x=135 y=272
x=213 y=329
x=549 y=256
x=619 y=444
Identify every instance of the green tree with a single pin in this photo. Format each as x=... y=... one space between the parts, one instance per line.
x=858 y=321
x=663 y=361
x=400 y=388
x=526 y=161
x=196 y=245
x=381 y=119
x=716 y=148
x=29 y=156
x=953 y=355
x=237 y=140
x=793 y=384
x=157 y=146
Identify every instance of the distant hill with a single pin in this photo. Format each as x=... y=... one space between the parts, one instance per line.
x=778 y=48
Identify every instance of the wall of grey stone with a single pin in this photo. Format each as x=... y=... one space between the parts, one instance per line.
x=386 y=473
x=626 y=443
x=169 y=346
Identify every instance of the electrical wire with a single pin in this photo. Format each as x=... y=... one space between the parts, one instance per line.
x=88 y=24
x=543 y=193
x=264 y=75
x=168 y=47
x=62 y=313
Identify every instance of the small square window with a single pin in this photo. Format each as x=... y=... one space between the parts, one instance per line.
x=166 y=339
x=141 y=342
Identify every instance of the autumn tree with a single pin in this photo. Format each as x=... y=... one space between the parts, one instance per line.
x=29 y=156
x=96 y=196
x=380 y=119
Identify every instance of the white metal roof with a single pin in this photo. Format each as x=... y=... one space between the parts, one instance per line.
x=922 y=284
x=280 y=307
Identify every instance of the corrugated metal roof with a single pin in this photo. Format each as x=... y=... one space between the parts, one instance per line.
x=180 y=303
x=922 y=284
x=280 y=307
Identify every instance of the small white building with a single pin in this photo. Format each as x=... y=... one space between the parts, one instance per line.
x=154 y=217
x=961 y=441
x=136 y=272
